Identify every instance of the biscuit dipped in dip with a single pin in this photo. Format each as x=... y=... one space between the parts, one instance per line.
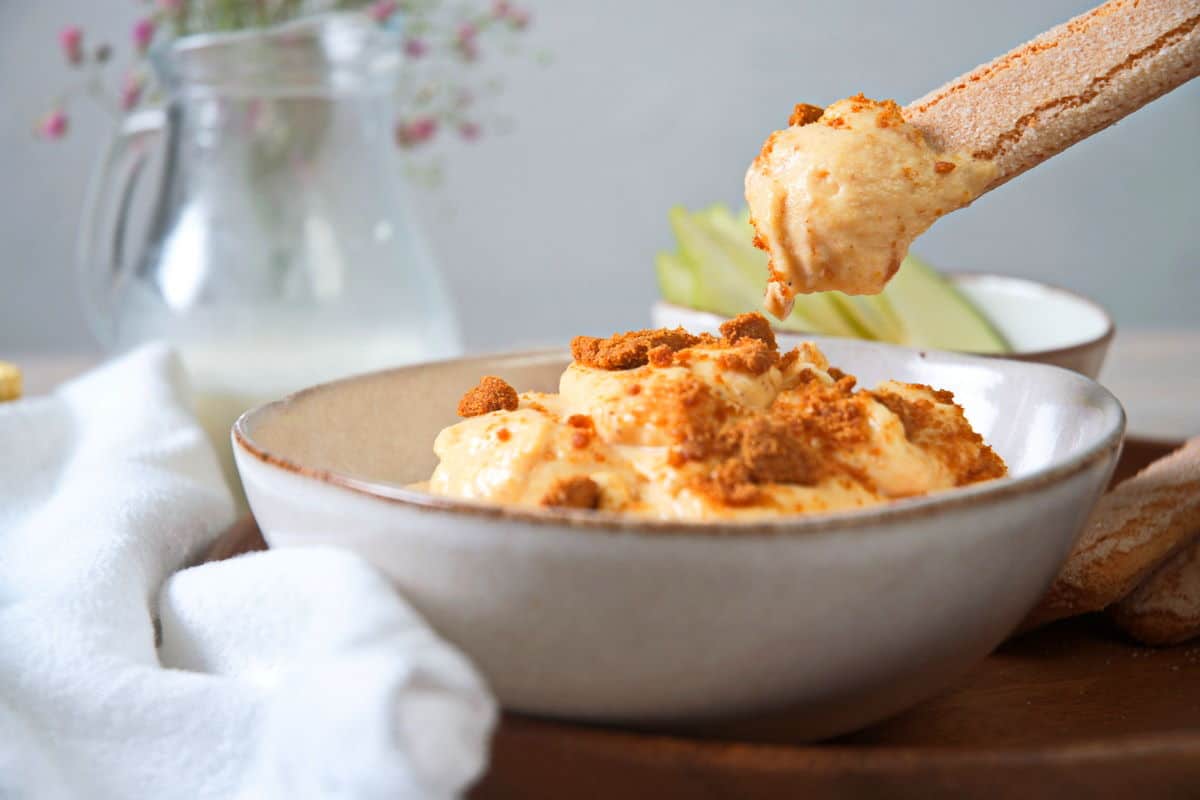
x=666 y=424
x=837 y=197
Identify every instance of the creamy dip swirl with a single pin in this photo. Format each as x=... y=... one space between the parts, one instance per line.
x=837 y=197
x=669 y=425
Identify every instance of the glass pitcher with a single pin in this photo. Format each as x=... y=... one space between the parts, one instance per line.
x=277 y=248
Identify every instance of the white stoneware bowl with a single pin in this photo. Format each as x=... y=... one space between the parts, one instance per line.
x=1043 y=323
x=850 y=616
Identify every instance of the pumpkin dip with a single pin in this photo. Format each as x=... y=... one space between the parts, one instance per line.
x=666 y=424
x=837 y=197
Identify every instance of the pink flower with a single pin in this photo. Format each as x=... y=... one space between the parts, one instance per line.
x=143 y=33
x=467 y=43
x=70 y=39
x=469 y=130
x=415 y=48
x=131 y=91
x=418 y=131
x=519 y=18
x=54 y=126
x=382 y=10
x=501 y=9
x=424 y=128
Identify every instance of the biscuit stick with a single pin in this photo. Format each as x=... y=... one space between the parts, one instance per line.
x=1068 y=83
x=1133 y=530
x=837 y=197
x=1165 y=608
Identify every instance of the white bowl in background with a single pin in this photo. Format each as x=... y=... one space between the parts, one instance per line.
x=850 y=616
x=1043 y=323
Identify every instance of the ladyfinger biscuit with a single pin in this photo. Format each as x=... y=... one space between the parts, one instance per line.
x=1072 y=81
x=1134 y=529
x=1165 y=608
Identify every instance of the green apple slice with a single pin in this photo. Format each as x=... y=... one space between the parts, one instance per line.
x=735 y=241
x=718 y=269
x=675 y=279
x=813 y=313
x=719 y=285
x=872 y=313
x=726 y=281
x=935 y=314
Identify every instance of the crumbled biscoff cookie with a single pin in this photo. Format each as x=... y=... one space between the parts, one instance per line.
x=630 y=349
x=805 y=114
x=492 y=394
x=749 y=326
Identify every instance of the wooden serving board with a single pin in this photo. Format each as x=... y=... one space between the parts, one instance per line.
x=1072 y=710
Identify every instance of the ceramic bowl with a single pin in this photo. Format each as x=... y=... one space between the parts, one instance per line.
x=1043 y=323
x=849 y=617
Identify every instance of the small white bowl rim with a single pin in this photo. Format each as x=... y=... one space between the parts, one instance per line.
x=967 y=276
x=988 y=492
x=1110 y=325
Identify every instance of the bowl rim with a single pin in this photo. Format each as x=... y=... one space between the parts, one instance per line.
x=1103 y=338
x=906 y=509
x=970 y=276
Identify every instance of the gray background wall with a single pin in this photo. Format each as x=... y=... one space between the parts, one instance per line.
x=649 y=104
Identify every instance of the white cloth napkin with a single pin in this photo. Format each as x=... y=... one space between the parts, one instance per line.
x=288 y=674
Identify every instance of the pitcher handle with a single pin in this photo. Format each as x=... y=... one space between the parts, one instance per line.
x=103 y=267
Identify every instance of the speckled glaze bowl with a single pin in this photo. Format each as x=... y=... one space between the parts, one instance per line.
x=849 y=617
x=1044 y=324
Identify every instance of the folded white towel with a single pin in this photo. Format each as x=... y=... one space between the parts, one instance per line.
x=273 y=675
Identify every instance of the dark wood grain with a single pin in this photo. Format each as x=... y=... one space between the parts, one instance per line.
x=1137 y=454
x=1071 y=710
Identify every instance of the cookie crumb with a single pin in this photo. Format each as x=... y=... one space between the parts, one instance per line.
x=749 y=326
x=754 y=358
x=661 y=356
x=578 y=491
x=492 y=394
x=804 y=114
x=629 y=350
